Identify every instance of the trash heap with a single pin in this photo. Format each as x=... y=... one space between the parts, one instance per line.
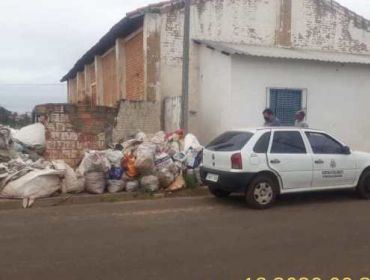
x=163 y=162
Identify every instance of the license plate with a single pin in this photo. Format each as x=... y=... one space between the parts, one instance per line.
x=212 y=177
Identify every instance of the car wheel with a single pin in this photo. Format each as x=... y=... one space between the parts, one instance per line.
x=217 y=192
x=363 y=187
x=262 y=192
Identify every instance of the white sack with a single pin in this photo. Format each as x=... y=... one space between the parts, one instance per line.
x=191 y=142
x=31 y=135
x=70 y=183
x=35 y=184
x=114 y=157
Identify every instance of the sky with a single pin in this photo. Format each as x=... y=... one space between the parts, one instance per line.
x=40 y=40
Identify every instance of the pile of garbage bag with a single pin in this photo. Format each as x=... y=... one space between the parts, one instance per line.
x=162 y=162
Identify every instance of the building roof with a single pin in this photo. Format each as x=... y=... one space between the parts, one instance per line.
x=134 y=20
x=124 y=27
x=286 y=53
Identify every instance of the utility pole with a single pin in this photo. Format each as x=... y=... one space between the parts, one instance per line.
x=185 y=68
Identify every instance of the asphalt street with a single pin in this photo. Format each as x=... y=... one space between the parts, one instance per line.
x=323 y=235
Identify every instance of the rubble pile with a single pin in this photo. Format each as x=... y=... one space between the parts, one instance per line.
x=163 y=162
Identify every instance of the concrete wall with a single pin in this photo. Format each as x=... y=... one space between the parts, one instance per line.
x=72 y=129
x=337 y=94
x=215 y=95
x=136 y=115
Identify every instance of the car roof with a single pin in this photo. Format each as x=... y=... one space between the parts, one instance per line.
x=274 y=128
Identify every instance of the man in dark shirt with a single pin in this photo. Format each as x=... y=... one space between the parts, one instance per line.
x=270 y=119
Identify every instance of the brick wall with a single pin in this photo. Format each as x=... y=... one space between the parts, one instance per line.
x=135 y=68
x=72 y=129
x=137 y=115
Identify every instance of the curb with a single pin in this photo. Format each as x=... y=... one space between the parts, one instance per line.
x=84 y=198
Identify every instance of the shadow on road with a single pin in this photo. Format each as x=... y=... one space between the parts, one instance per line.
x=289 y=200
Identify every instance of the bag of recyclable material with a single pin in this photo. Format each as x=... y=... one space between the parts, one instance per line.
x=31 y=135
x=115 y=173
x=178 y=184
x=71 y=183
x=5 y=138
x=93 y=161
x=191 y=142
x=33 y=185
x=132 y=186
x=165 y=177
x=115 y=186
x=149 y=183
x=114 y=157
x=141 y=137
x=162 y=160
x=129 y=165
x=95 y=182
x=145 y=158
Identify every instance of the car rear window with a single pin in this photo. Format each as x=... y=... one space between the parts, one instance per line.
x=230 y=141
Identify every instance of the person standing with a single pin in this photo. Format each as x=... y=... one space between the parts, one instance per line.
x=270 y=119
x=300 y=117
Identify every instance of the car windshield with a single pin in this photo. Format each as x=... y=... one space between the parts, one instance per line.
x=230 y=141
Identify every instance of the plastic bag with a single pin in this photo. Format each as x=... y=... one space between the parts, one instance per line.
x=178 y=184
x=93 y=161
x=162 y=160
x=191 y=142
x=129 y=166
x=70 y=183
x=95 y=182
x=145 y=158
x=165 y=177
x=149 y=183
x=160 y=140
x=115 y=186
x=141 y=137
x=5 y=138
x=31 y=135
x=115 y=173
x=114 y=157
x=132 y=186
x=35 y=184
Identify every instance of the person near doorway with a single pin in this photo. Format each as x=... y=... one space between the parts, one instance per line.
x=270 y=119
x=300 y=117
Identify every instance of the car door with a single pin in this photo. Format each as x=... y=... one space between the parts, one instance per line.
x=288 y=156
x=332 y=166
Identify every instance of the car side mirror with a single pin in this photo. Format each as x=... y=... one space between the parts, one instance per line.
x=346 y=150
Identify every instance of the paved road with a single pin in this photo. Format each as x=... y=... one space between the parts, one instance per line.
x=188 y=238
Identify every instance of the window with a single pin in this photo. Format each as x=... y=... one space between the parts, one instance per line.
x=288 y=142
x=262 y=144
x=324 y=144
x=230 y=141
x=285 y=103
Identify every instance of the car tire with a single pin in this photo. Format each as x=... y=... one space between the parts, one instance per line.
x=363 y=188
x=218 y=192
x=262 y=192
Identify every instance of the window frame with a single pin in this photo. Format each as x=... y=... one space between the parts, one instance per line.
x=307 y=149
x=327 y=135
x=304 y=97
x=258 y=141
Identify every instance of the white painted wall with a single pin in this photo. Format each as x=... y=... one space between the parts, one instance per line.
x=214 y=94
x=338 y=96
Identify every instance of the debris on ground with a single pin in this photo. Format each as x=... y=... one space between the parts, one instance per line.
x=160 y=162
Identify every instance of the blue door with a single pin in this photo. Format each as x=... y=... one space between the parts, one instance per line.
x=285 y=103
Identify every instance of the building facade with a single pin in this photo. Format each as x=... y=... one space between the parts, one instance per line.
x=245 y=55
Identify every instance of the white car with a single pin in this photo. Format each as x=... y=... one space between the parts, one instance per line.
x=263 y=163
